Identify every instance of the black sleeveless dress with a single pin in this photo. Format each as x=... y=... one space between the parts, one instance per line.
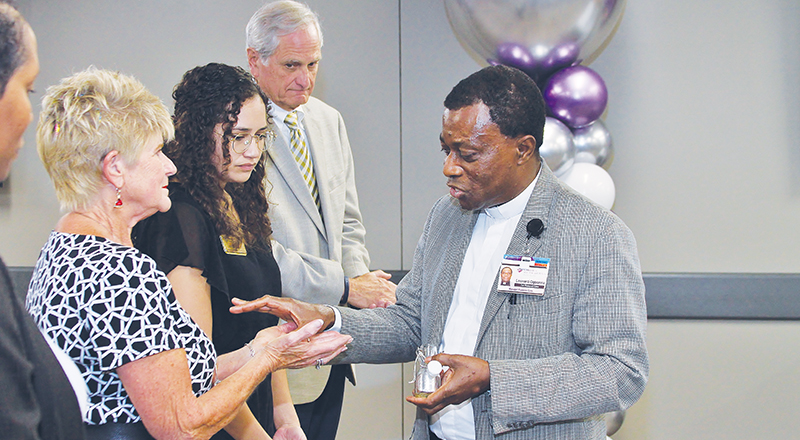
x=186 y=236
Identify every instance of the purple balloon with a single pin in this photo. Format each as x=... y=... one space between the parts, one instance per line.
x=516 y=55
x=560 y=57
x=537 y=65
x=576 y=95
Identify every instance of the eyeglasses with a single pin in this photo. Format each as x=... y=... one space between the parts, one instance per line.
x=241 y=142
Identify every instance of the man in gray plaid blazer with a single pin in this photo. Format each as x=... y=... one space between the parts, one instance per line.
x=544 y=363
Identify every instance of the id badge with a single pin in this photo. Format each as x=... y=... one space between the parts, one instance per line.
x=524 y=275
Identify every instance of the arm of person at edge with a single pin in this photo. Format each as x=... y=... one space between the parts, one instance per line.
x=287 y=424
x=194 y=294
x=20 y=410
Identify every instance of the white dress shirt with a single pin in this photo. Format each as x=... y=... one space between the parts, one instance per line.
x=279 y=120
x=490 y=239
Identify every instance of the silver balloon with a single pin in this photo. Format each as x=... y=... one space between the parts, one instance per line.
x=614 y=422
x=593 y=144
x=545 y=33
x=557 y=149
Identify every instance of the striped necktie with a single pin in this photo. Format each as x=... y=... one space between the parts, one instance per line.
x=302 y=155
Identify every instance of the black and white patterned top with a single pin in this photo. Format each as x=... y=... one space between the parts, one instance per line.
x=107 y=304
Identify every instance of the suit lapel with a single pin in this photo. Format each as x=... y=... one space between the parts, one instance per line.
x=448 y=271
x=281 y=155
x=538 y=207
x=317 y=137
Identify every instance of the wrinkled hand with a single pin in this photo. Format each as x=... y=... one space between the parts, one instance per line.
x=371 y=290
x=289 y=432
x=299 y=348
x=269 y=334
x=467 y=377
x=288 y=309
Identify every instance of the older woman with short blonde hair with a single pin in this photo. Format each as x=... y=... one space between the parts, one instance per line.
x=88 y=116
x=149 y=368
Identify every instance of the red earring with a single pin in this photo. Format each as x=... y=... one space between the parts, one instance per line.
x=119 y=199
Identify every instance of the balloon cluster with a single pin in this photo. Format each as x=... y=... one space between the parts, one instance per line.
x=552 y=41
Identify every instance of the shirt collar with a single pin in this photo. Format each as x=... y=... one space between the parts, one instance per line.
x=279 y=114
x=515 y=206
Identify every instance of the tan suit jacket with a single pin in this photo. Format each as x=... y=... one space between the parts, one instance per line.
x=315 y=251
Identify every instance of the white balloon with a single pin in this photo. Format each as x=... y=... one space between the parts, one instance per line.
x=593 y=182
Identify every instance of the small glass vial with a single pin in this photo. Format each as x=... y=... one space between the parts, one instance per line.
x=426 y=376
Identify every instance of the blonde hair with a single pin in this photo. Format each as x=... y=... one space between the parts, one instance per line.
x=85 y=117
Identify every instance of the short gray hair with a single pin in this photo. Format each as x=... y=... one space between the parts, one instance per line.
x=276 y=19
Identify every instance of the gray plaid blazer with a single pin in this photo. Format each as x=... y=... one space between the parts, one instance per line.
x=558 y=361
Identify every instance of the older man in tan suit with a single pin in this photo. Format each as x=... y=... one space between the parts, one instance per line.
x=318 y=238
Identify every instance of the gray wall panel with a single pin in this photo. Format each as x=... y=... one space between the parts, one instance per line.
x=723 y=296
x=432 y=63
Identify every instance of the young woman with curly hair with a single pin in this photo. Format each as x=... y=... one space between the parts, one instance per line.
x=214 y=243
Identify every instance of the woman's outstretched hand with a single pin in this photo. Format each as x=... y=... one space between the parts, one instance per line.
x=292 y=347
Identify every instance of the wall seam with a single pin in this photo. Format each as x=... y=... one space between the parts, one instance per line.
x=400 y=121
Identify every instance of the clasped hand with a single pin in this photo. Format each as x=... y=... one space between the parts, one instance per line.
x=465 y=378
x=293 y=347
x=371 y=290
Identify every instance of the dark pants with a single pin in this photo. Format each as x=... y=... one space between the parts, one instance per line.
x=117 y=431
x=320 y=418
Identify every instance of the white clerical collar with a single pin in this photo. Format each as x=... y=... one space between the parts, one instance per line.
x=515 y=206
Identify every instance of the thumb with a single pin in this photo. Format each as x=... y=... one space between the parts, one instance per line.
x=310 y=329
x=287 y=327
x=443 y=358
x=381 y=274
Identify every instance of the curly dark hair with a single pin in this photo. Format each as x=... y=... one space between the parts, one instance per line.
x=12 y=47
x=206 y=96
x=515 y=102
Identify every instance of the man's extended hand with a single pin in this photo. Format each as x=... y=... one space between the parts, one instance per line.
x=288 y=309
x=371 y=290
x=467 y=377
